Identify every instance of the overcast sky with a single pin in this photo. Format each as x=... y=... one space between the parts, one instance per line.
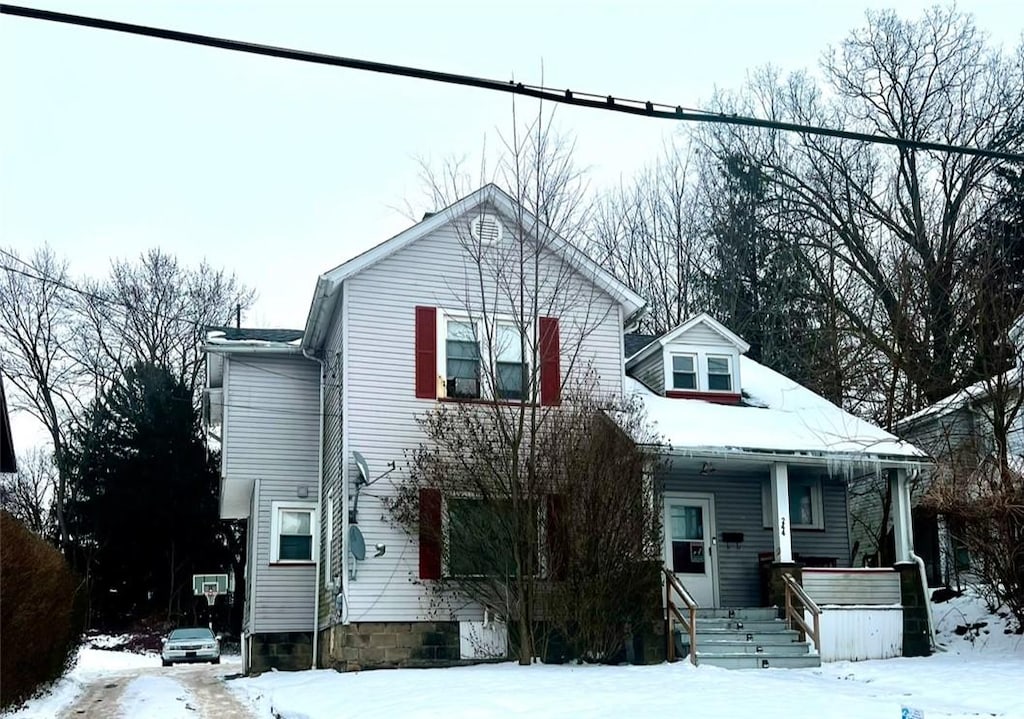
x=277 y=170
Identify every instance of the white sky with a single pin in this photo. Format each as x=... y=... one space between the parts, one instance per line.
x=111 y=144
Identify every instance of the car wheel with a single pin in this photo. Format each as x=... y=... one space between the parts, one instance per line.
x=215 y=661
x=166 y=663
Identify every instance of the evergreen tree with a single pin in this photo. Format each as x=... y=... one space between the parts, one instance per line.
x=759 y=287
x=143 y=509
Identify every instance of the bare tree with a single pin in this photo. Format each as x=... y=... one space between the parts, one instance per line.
x=37 y=326
x=648 y=233
x=526 y=312
x=28 y=494
x=896 y=221
x=156 y=310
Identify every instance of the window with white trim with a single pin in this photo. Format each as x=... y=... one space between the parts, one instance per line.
x=805 y=506
x=462 y=358
x=695 y=368
x=293 y=532
x=509 y=367
x=684 y=371
x=483 y=359
x=719 y=373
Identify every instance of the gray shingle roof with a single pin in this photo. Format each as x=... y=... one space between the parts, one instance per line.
x=634 y=342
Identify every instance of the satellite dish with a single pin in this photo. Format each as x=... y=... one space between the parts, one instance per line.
x=364 y=468
x=356 y=543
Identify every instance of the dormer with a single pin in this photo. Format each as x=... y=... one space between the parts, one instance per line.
x=699 y=359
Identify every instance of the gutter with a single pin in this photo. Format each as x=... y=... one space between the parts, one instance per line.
x=793 y=457
x=319 y=506
x=217 y=348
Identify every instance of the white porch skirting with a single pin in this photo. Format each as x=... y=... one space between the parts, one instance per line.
x=853 y=633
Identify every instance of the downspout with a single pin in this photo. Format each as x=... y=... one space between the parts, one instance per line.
x=319 y=506
x=924 y=585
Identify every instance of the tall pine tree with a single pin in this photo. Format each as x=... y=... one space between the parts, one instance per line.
x=143 y=510
x=759 y=287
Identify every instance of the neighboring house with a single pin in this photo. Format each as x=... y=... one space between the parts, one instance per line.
x=755 y=482
x=8 y=463
x=957 y=432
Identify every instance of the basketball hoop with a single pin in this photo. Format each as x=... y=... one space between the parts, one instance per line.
x=211 y=595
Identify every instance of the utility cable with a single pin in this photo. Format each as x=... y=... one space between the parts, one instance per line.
x=645 y=108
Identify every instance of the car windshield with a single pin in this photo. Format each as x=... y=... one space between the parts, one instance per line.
x=191 y=634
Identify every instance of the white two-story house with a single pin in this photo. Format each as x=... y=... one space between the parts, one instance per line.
x=315 y=424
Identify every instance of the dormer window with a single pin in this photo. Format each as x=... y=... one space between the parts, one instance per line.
x=684 y=371
x=719 y=373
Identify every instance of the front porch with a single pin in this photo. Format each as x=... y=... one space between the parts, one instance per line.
x=744 y=535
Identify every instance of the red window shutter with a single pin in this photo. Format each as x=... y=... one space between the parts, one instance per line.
x=426 y=352
x=550 y=371
x=430 y=534
x=557 y=538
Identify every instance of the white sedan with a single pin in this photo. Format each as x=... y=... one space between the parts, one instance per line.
x=196 y=644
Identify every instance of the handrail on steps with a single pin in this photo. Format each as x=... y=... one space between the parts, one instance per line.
x=795 y=615
x=673 y=585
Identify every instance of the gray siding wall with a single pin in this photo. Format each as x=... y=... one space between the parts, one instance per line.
x=274 y=429
x=738 y=509
x=651 y=371
x=333 y=452
x=703 y=335
x=381 y=406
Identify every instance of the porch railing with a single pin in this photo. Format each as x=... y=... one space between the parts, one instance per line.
x=795 y=615
x=675 y=589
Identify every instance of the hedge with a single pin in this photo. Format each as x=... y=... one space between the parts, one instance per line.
x=40 y=618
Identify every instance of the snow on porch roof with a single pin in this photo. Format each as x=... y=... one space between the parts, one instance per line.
x=785 y=418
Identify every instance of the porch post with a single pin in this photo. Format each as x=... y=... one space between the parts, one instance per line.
x=902 y=525
x=781 y=528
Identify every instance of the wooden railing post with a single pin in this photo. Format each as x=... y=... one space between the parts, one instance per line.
x=806 y=604
x=672 y=584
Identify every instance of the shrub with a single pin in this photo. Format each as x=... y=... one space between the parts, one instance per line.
x=40 y=615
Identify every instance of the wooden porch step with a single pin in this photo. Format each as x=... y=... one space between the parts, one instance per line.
x=768 y=648
x=705 y=634
x=741 y=613
x=758 y=661
x=745 y=625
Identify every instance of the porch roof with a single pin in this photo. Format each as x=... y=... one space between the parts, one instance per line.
x=781 y=417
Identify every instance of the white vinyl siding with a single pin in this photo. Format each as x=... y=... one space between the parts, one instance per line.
x=274 y=425
x=380 y=394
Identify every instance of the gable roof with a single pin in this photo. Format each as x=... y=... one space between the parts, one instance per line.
x=977 y=392
x=703 y=318
x=326 y=293
x=783 y=418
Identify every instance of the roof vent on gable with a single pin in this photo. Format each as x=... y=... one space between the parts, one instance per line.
x=485 y=229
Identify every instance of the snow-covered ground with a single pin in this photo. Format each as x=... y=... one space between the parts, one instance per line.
x=979 y=675
x=92 y=664
x=972 y=678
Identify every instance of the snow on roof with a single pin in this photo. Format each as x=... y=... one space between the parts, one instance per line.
x=976 y=391
x=786 y=417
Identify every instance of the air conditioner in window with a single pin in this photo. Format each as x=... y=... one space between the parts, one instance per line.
x=463 y=387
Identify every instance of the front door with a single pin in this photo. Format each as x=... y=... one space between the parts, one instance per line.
x=690 y=545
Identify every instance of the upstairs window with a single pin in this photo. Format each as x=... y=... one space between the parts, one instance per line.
x=684 y=372
x=510 y=369
x=462 y=359
x=719 y=374
x=459 y=356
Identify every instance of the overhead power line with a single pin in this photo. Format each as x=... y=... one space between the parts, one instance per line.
x=611 y=103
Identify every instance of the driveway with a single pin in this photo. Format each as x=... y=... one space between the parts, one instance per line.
x=188 y=691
